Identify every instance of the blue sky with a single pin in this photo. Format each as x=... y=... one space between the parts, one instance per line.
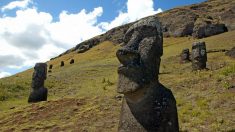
x=35 y=30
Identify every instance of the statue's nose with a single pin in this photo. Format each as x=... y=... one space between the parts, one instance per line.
x=128 y=57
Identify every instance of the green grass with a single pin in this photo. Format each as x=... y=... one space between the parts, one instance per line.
x=82 y=95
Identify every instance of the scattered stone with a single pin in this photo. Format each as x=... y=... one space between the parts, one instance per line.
x=147 y=104
x=51 y=66
x=61 y=63
x=39 y=92
x=185 y=56
x=71 y=61
x=231 y=53
x=13 y=107
x=199 y=56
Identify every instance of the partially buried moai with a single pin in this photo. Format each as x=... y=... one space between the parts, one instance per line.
x=199 y=55
x=71 y=61
x=39 y=92
x=61 y=63
x=147 y=104
x=185 y=56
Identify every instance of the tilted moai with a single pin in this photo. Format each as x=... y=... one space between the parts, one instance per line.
x=71 y=61
x=147 y=104
x=39 y=92
x=185 y=56
x=61 y=63
x=199 y=55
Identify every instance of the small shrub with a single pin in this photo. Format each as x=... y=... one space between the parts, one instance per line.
x=103 y=81
x=228 y=70
x=109 y=83
x=226 y=85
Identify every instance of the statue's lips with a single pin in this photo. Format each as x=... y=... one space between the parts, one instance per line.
x=128 y=68
x=198 y=59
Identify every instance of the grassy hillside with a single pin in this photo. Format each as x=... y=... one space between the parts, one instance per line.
x=82 y=95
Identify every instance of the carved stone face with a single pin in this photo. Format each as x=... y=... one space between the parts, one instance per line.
x=199 y=55
x=39 y=75
x=140 y=55
x=185 y=55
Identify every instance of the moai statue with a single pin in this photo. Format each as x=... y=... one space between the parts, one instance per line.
x=61 y=63
x=39 y=92
x=199 y=55
x=184 y=56
x=51 y=66
x=147 y=105
x=71 y=61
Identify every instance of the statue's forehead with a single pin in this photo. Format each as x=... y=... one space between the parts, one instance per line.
x=200 y=45
x=151 y=22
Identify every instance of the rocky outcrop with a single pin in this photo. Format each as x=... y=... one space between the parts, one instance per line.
x=199 y=20
x=207 y=28
x=147 y=105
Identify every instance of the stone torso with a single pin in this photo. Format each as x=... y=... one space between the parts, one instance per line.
x=156 y=112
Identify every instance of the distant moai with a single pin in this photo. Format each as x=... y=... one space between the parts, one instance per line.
x=39 y=92
x=147 y=105
x=185 y=56
x=61 y=63
x=71 y=61
x=51 y=66
x=199 y=55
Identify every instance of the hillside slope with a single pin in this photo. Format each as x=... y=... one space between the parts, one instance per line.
x=82 y=96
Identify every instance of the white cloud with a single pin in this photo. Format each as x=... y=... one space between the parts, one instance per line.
x=31 y=36
x=136 y=9
x=4 y=74
x=17 y=4
x=74 y=28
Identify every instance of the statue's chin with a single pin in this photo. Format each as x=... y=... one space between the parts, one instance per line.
x=126 y=85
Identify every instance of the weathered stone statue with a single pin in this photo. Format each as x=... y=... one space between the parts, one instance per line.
x=185 y=56
x=61 y=63
x=199 y=55
x=39 y=92
x=147 y=104
x=51 y=66
x=71 y=61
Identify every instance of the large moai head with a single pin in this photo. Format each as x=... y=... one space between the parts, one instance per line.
x=185 y=56
x=140 y=55
x=39 y=75
x=199 y=55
